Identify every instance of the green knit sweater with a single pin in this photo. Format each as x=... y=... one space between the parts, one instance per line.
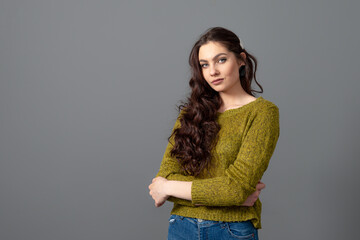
x=247 y=140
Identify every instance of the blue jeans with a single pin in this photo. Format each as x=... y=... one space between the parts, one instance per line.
x=186 y=228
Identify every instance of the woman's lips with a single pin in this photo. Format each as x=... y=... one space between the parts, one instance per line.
x=217 y=81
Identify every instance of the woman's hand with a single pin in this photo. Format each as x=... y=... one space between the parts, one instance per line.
x=158 y=191
x=249 y=202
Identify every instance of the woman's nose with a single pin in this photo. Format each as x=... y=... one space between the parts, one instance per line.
x=213 y=70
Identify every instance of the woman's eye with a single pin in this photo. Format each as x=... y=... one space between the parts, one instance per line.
x=222 y=60
x=204 y=65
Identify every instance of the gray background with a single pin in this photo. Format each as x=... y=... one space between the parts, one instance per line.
x=87 y=100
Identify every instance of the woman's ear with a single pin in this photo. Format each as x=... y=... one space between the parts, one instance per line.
x=242 y=59
x=243 y=55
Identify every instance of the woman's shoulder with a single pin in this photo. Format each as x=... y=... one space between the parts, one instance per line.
x=264 y=104
x=264 y=108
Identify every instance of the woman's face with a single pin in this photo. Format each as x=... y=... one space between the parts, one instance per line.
x=220 y=67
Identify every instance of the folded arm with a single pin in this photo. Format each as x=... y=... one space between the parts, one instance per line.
x=171 y=169
x=241 y=177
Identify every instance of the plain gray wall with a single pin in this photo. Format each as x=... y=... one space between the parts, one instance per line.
x=87 y=100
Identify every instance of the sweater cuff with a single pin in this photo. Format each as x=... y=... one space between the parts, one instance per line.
x=198 y=195
x=219 y=192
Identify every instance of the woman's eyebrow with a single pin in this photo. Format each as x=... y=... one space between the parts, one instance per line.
x=217 y=55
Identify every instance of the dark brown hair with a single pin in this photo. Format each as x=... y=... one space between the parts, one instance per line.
x=197 y=135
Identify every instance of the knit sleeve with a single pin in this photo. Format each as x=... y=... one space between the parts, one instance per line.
x=171 y=169
x=241 y=177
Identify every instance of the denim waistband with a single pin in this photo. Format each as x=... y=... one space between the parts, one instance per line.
x=200 y=221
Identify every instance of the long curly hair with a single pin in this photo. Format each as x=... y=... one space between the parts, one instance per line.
x=196 y=137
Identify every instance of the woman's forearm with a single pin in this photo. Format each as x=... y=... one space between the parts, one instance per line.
x=182 y=190
x=179 y=189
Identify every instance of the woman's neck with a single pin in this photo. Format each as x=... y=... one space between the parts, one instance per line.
x=235 y=99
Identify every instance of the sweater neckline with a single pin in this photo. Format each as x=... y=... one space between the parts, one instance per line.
x=229 y=111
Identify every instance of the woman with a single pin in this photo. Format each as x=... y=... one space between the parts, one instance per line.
x=220 y=145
